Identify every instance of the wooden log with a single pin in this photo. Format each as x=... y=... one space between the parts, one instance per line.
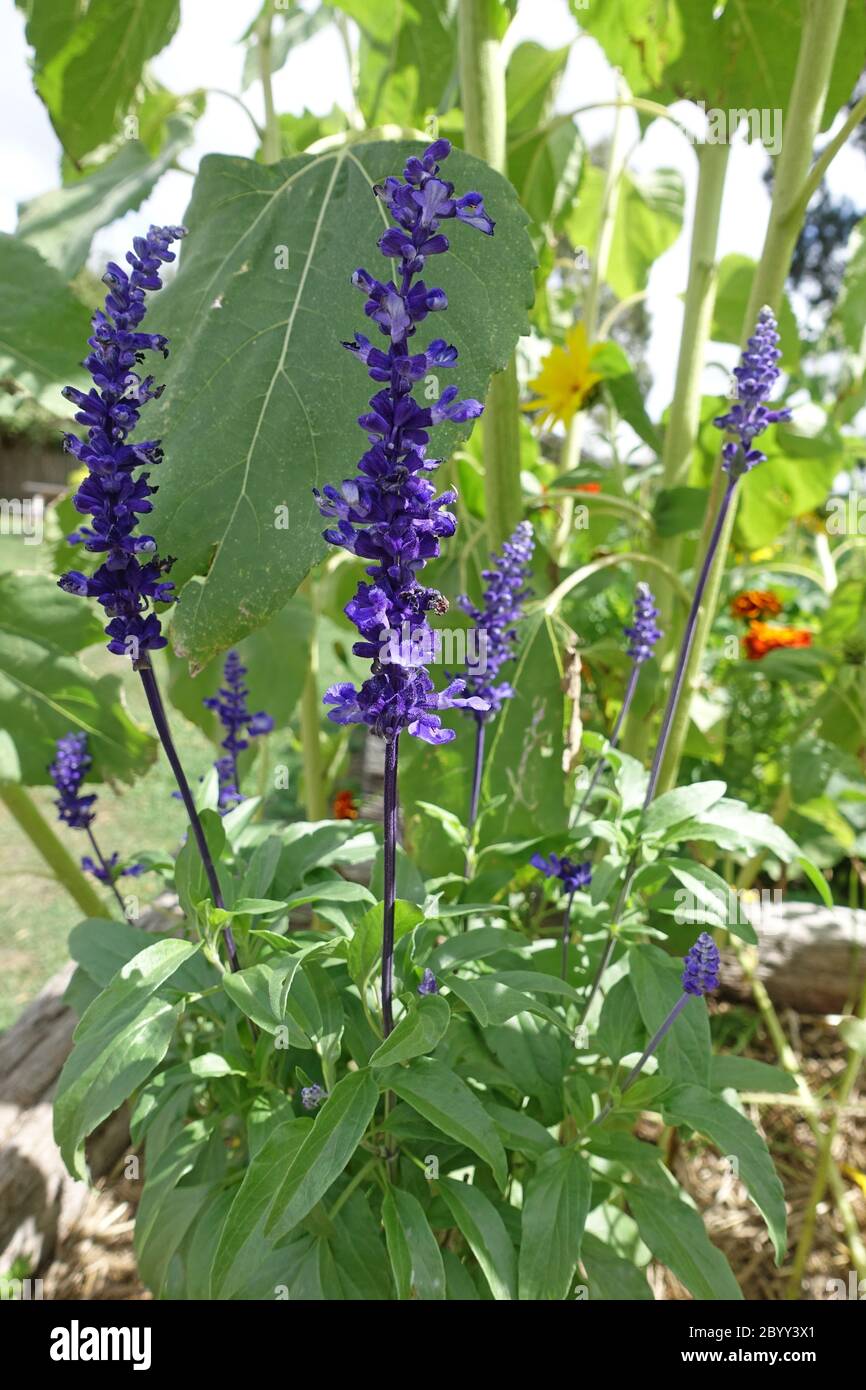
x=812 y=959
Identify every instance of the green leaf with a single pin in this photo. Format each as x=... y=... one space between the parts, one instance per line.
x=735 y=1137
x=264 y=993
x=440 y=1096
x=622 y=385
x=241 y=323
x=716 y=903
x=61 y=224
x=32 y=605
x=121 y=1037
x=736 y=274
x=796 y=478
x=365 y=947
x=676 y=1235
x=684 y=1053
x=555 y=1205
x=166 y=1212
x=102 y=946
x=337 y=1131
x=649 y=219
x=677 y=510
x=493 y=1002
x=747 y=1074
x=243 y=1240
x=619 y=1025
x=45 y=328
x=611 y=1278
x=484 y=1229
x=407 y=57
x=415 y=1256
x=518 y=1131
x=472 y=945
x=87 y=68
x=680 y=804
x=417 y=1033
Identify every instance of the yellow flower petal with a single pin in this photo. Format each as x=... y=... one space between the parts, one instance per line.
x=566 y=378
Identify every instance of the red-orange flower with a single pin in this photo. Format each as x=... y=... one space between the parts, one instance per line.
x=755 y=603
x=763 y=637
x=344 y=807
x=588 y=487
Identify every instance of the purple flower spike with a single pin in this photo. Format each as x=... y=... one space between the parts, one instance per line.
x=756 y=376
x=230 y=705
x=701 y=966
x=313 y=1096
x=389 y=514
x=572 y=876
x=428 y=983
x=71 y=765
x=132 y=576
x=494 y=623
x=644 y=634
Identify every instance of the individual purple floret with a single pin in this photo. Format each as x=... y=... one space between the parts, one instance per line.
x=389 y=514
x=756 y=376
x=701 y=966
x=494 y=623
x=313 y=1096
x=131 y=578
x=428 y=983
x=572 y=876
x=108 y=871
x=230 y=704
x=71 y=764
x=643 y=633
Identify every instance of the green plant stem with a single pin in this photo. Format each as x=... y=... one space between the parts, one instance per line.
x=819 y=38
x=315 y=802
x=482 y=88
x=271 y=136
x=37 y=829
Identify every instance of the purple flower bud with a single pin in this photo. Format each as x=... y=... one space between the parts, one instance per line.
x=428 y=983
x=71 y=764
x=572 y=876
x=701 y=966
x=756 y=376
x=313 y=1096
x=644 y=634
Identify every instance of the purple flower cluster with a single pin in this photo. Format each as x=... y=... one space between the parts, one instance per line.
x=756 y=376
x=572 y=876
x=429 y=984
x=643 y=633
x=313 y=1096
x=701 y=966
x=71 y=764
x=504 y=598
x=230 y=704
x=131 y=576
x=389 y=513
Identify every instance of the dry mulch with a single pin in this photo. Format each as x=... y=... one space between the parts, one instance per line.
x=97 y=1262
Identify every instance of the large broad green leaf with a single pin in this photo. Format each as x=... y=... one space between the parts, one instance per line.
x=261 y=400
x=736 y=274
x=243 y=1240
x=684 y=1053
x=415 y=1256
x=45 y=328
x=338 y=1129
x=166 y=1211
x=680 y=804
x=555 y=1204
x=649 y=219
x=676 y=1235
x=486 y=1234
x=122 y=1036
x=736 y=1139
x=796 y=478
x=610 y=1276
x=61 y=224
x=407 y=57
x=45 y=691
x=722 y=55
x=440 y=1096
x=88 y=62
x=544 y=165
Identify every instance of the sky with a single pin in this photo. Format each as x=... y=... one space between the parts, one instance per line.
x=206 y=52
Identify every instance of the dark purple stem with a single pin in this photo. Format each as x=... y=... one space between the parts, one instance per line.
x=103 y=862
x=647 y=1053
x=614 y=738
x=157 y=710
x=686 y=645
x=391 y=748
x=566 y=921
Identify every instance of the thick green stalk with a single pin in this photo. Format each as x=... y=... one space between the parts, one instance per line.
x=271 y=136
x=37 y=829
x=820 y=36
x=482 y=88
x=315 y=800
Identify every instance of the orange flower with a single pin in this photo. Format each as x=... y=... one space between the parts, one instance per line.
x=344 y=807
x=588 y=487
x=754 y=603
x=762 y=638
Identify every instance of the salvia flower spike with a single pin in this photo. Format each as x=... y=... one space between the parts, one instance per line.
x=72 y=762
x=230 y=705
x=389 y=514
x=115 y=493
x=643 y=636
x=700 y=976
x=572 y=877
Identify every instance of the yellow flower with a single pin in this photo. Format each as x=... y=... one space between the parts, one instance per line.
x=566 y=378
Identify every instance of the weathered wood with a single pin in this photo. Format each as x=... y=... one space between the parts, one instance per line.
x=812 y=959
